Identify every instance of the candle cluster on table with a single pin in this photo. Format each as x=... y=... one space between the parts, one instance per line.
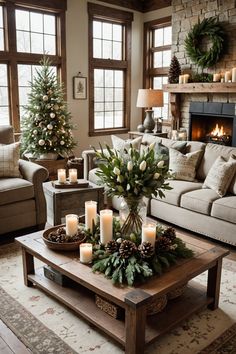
x=183 y=79
x=61 y=175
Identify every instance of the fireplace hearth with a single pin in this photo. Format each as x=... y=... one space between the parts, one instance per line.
x=213 y=122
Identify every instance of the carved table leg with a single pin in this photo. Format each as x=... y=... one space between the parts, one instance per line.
x=213 y=284
x=28 y=266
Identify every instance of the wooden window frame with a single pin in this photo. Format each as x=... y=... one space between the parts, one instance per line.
x=149 y=72
x=13 y=58
x=103 y=13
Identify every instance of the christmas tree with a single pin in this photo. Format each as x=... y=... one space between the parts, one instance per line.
x=174 y=71
x=46 y=126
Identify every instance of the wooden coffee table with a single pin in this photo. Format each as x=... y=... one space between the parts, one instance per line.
x=136 y=330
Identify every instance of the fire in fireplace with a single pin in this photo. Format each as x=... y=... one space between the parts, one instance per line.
x=213 y=122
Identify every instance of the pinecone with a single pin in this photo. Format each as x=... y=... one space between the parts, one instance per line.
x=61 y=231
x=170 y=233
x=174 y=71
x=146 y=249
x=163 y=243
x=127 y=249
x=111 y=246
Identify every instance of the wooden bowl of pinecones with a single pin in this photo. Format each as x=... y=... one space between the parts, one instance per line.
x=56 y=239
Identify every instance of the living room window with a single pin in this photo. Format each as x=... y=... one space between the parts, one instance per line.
x=109 y=74
x=157 y=58
x=25 y=35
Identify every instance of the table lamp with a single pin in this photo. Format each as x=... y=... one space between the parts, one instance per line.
x=148 y=98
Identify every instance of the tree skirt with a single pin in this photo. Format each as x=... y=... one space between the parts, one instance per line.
x=70 y=331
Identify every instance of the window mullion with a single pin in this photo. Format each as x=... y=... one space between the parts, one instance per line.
x=12 y=68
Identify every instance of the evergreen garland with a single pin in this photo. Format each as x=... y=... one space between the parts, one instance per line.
x=46 y=126
x=133 y=261
x=210 y=28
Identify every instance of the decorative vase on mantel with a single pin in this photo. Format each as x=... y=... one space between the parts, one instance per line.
x=133 y=212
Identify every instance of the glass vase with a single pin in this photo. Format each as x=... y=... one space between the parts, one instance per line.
x=133 y=212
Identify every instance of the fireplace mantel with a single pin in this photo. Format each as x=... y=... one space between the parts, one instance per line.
x=176 y=90
x=201 y=87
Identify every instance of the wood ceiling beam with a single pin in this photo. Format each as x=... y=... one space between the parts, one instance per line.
x=138 y=5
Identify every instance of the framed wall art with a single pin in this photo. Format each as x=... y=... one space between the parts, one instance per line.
x=79 y=88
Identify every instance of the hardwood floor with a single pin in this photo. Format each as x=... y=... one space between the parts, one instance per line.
x=9 y=343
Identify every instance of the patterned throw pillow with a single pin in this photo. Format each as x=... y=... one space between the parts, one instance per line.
x=120 y=144
x=220 y=175
x=9 y=160
x=183 y=167
x=163 y=151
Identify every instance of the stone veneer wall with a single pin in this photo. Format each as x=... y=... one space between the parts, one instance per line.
x=185 y=14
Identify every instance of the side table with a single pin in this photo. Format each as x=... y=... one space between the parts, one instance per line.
x=135 y=134
x=61 y=202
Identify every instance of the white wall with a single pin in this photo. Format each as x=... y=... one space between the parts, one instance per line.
x=77 y=60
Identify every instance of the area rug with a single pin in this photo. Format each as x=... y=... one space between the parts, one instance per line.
x=74 y=334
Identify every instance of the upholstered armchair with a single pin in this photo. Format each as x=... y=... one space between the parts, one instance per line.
x=22 y=201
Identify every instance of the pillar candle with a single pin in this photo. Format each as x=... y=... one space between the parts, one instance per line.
x=73 y=175
x=216 y=77
x=90 y=214
x=227 y=76
x=149 y=233
x=185 y=79
x=234 y=75
x=181 y=79
x=71 y=224
x=106 y=225
x=86 y=252
x=61 y=175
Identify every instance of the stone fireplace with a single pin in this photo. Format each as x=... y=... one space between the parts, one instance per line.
x=183 y=98
x=213 y=122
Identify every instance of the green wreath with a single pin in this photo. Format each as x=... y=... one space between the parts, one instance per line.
x=210 y=28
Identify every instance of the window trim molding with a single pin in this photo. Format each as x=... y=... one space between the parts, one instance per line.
x=125 y=18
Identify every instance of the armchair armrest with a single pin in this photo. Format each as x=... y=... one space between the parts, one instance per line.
x=89 y=157
x=36 y=174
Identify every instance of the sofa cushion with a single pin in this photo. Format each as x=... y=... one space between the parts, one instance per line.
x=9 y=160
x=179 y=187
x=182 y=166
x=220 y=175
x=225 y=209
x=121 y=145
x=213 y=151
x=163 y=151
x=15 y=189
x=199 y=200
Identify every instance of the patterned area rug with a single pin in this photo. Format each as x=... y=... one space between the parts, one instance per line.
x=49 y=327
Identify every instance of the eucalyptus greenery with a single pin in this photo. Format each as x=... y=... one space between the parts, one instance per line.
x=210 y=28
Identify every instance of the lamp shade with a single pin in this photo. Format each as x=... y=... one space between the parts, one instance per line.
x=148 y=98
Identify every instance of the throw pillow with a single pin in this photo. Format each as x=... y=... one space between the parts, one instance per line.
x=9 y=160
x=120 y=144
x=163 y=151
x=183 y=167
x=220 y=175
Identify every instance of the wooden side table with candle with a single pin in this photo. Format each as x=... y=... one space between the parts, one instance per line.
x=63 y=201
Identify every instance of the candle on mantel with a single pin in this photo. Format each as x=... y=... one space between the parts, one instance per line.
x=186 y=78
x=73 y=175
x=90 y=214
x=227 y=76
x=106 y=226
x=149 y=233
x=71 y=224
x=234 y=75
x=86 y=253
x=216 y=77
x=61 y=175
x=181 y=79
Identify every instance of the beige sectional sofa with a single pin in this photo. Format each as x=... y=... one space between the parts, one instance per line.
x=187 y=204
